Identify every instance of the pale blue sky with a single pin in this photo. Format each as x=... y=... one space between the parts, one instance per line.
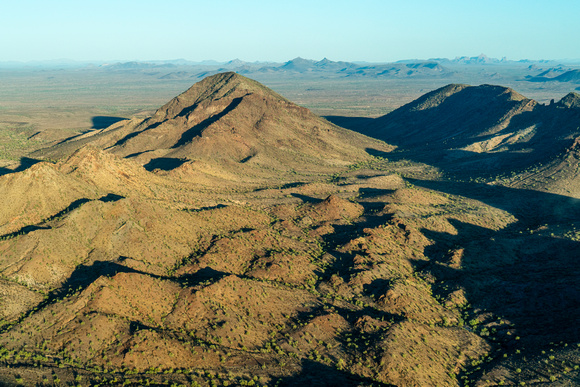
x=364 y=30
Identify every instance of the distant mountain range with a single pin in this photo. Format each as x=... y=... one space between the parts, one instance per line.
x=436 y=68
x=324 y=67
x=198 y=69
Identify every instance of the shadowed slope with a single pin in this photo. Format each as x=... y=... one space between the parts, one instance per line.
x=453 y=116
x=487 y=131
x=479 y=120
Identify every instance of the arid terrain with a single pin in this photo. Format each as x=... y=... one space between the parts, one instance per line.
x=229 y=236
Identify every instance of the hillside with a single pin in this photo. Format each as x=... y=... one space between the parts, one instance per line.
x=150 y=253
x=234 y=122
x=454 y=116
x=479 y=130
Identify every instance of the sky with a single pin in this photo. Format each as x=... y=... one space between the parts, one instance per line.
x=256 y=30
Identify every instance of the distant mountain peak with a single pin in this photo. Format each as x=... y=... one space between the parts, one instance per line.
x=234 y=63
x=300 y=59
x=480 y=59
x=298 y=64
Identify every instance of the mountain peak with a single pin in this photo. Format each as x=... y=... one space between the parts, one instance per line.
x=235 y=122
x=228 y=84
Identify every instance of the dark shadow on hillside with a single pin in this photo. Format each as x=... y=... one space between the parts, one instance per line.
x=292 y=185
x=529 y=280
x=438 y=136
x=23 y=231
x=73 y=137
x=204 y=275
x=353 y=123
x=246 y=159
x=283 y=186
x=373 y=193
x=102 y=122
x=84 y=275
x=141 y=128
x=352 y=316
x=307 y=199
x=377 y=153
x=378 y=287
x=25 y=163
x=532 y=208
x=111 y=197
x=164 y=163
x=195 y=131
x=343 y=261
x=130 y=136
x=525 y=273
x=71 y=207
x=41 y=225
x=449 y=129
x=319 y=374
x=463 y=165
x=207 y=208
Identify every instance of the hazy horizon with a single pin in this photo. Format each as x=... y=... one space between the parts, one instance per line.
x=211 y=61
x=372 y=30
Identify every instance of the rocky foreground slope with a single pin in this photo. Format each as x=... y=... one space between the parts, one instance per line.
x=352 y=270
